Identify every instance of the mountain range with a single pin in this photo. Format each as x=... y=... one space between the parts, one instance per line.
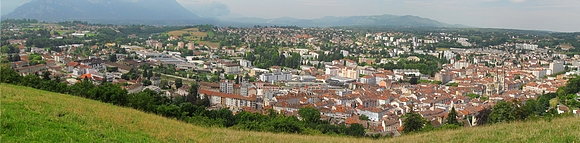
x=59 y=10
x=170 y=12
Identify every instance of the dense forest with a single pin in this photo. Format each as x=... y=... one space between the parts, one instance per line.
x=428 y=64
x=264 y=57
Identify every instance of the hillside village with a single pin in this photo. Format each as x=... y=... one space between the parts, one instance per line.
x=345 y=74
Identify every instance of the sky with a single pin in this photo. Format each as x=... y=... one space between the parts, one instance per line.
x=551 y=15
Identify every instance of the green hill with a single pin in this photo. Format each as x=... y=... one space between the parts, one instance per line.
x=31 y=115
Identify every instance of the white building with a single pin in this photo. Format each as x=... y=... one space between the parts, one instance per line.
x=232 y=101
x=407 y=72
x=231 y=69
x=460 y=64
x=539 y=73
x=556 y=67
x=273 y=77
x=245 y=63
x=227 y=86
x=526 y=46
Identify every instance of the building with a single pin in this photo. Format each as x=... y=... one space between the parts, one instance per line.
x=556 y=67
x=349 y=73
x=374 y=114
x=460 y=64
x=231 y=69
x=156 y=81
x=190 y=46
x=444 y=76
x=339 y=81
x=407 y=72
x=332 y=71
x=245 y=63
x=183 y=90
x=526 y=46
x=307 y=78
x=180 y=45
x=232 y=101
x=97 y=64
x=413 y=58
x=158 y=45
x=227 y=86
x=244 y=89
x=539 y=73
x=274 y=77
x=36 y=69
x=257 y=71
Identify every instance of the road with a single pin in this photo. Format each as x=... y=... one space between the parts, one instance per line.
x=173 y=76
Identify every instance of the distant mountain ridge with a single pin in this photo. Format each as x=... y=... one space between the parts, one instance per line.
x=375 y=20
x=61 y=10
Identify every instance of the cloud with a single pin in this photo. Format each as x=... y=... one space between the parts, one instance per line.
x=518 y=1
x=318 y=2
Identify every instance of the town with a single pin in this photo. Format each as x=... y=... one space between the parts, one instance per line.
x=370 y=77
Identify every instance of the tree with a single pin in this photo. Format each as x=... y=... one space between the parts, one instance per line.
x=194 y=98
x=503 y=111
x=164 y=84
x=528 y=109
x=178 y=83
x=413 y=122
x=13 y=58
x=363 y=117
x=146 y=82
x=483 y=116
x=452 y=117
x=113 y=58
x=356 y=130
x=46 y=75
x=414 y=80
x=472 y=95
x=8 y=75
x=309 y=114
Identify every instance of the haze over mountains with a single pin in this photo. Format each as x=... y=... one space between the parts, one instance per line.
x=130 y=11
x=375 y=20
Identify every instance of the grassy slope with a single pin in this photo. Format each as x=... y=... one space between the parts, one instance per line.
x=30 y=115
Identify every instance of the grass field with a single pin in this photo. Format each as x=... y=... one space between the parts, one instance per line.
x=30 y=115
x=62 y=32
x=211 y=44
x=441 y=49
x=195 y=34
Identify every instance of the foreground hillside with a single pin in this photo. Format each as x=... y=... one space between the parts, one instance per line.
x=29 y=115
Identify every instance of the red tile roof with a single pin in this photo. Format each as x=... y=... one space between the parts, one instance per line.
x=72 y=64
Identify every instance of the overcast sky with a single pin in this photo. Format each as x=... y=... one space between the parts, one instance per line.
x=553 y=15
